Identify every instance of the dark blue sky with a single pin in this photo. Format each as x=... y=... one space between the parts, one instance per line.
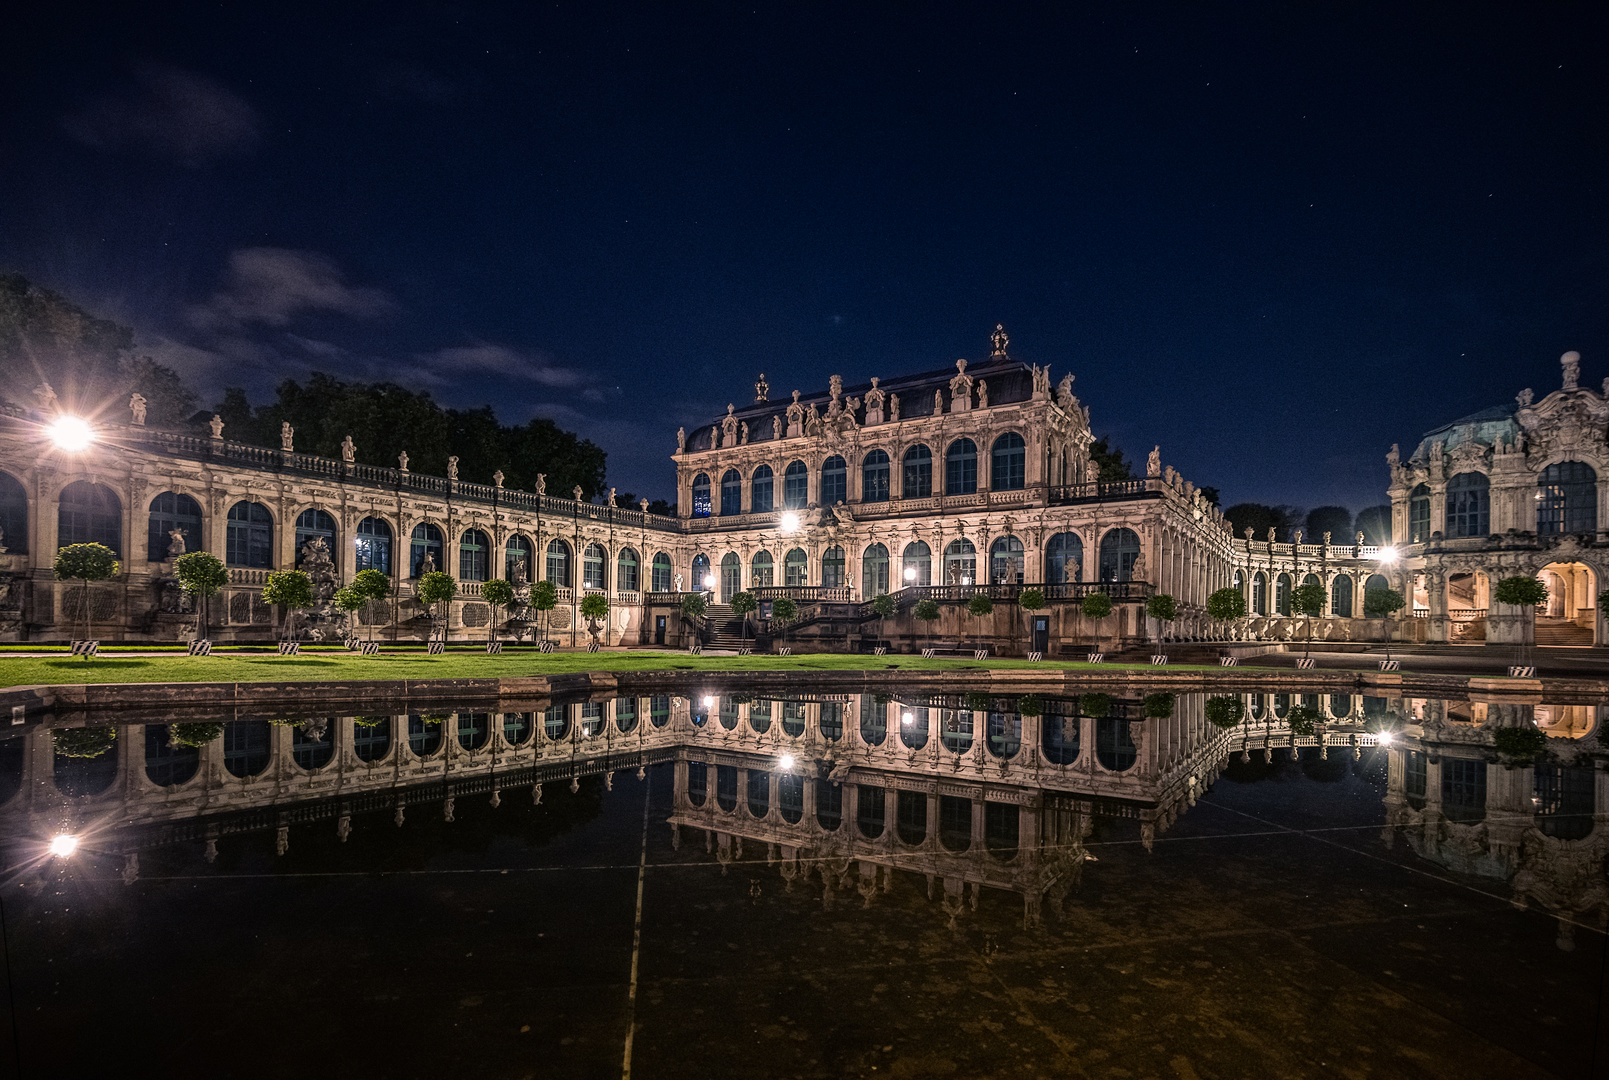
x=1274 y=240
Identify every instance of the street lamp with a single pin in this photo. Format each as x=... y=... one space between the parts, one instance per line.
x=786 y=761
x=63 y=845
x=789 y=522
x=1386 y=555
x=71 y=433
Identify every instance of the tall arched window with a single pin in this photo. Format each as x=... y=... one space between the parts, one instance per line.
x=1282 y=595
x=1419 y=514
x=961 y=468
x=558 y=569
x=426 y=554
x=874 y=571
x=1119 y=549
x=917 y=557
x=14 y=514
x=1259 y=593
x=918 y=473
x=169 y=510
x=593 y=559
x=701 y=571
x=1469 y=505
x=795 y=568
x=834 y=481
x=1006 y=561
x=795 y=486
x=1341 y=596
x=1567 y=499
x=660 y=573
x=249 y=536
x=960 y=562
x=760 y=490
x=832 y=567
x=474 y=556
x=626 y=579
x=1007 y=472
x=1064 y=559
x=874 y=477
x=517 y=558
x=373 y=545
x=762 y=570
x=731 y=493
x=314 y=524
x=91 y=514
x=1114 y=744
x=701 y=495
x=731 y=575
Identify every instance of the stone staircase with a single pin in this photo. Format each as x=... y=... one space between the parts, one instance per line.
x=725 y=628
x=1551 y=631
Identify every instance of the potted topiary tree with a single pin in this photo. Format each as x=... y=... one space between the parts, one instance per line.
x=1161 y=608
x=1226 y=605
x=783 y=612
x=201 y=575
x=374 y=586
x=196 y=735
x=693 y=607
x=85 y=563
x=594 y=606
x=1528 y=593
x=980 y=606
x=544 y=598
x=883 y=608
x=1303 y=720
x=436 y=591
x=927 y=611
x=498 y=594
x=291 y=590
x=348 y=599
x=1381 y=603
x=1096 y=605
x=1030 y=601
x=1308 y=600
x=1224 y=711
x=744 y=604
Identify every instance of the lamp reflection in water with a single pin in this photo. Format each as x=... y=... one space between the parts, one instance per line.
x=63 y=845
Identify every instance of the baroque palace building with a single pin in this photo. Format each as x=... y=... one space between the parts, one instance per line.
x=946 y=484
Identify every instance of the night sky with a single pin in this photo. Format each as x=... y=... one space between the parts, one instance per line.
x=1273 y=240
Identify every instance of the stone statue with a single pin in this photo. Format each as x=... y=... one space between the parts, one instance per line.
x=1524 y=397
x=1153 y=463
x=762 y=389
x=843 y=514
x=1092 y=471
x=173 y=600
x=46 y=398
x=611 y=501
x=349 y=450
x=643 y=504
x=176 y=545
x=1571 y=363
x=1360 y=538
x=938 y=402
x=1270 y=534
x=681 y=440
x=320 y=568
x=678 y=583
x=1064 y=391
x=999 y=340
x=1137 y=571
x=1326 y=539
x=743 y=433
x=1296 y=537
x=136 y=406
x=452 y=467
x=1069 y=571
x=402 y=461
x=1041 y=381
x=427 y=565
x=541 y=483
x=893 y=407
x=577 y=492
x=776 y=427
x=812 y=420
x=1248 y=534
x=729 y=428
x=497 y=478
x=287 y=436
x=983 y=394
x=216 y=423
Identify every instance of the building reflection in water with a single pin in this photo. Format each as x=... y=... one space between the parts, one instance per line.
x=837 y=792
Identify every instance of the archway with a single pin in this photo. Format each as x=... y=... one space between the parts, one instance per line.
x=1468 y=601
x=1570 y=615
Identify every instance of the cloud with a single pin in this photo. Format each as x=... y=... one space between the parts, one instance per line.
x=173 y=114
x=271 y=286
x=483 y=358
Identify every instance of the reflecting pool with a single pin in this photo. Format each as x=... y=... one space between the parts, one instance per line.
x=718 y=882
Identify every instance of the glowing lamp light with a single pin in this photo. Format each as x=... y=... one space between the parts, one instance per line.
x=709 y=702
x=910 y=573
x=71 y=433
x=1387 y=556
x=786 y=761
x=965 y=580
x=63 y=846
x=907 y=719
x=709 y=581
x=790 y=522
x=1385 y=738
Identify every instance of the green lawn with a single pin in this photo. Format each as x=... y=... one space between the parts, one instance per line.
x=25 y=671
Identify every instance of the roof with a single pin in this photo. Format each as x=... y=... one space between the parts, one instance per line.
x=1485 y=427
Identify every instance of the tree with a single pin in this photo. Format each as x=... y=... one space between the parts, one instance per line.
x=194 y=734
x=1308 y=600
x=84 y=742
x=926 y=610
x=498 y=594
x=783 y=612
x=1303 y=720
x=349 y=600
x=291 y=590
x=85 y=563
x=1030 y=601
x=201 y=575
x=1158 y=706
x=436 y=591
x=744 y=604
x=1335 y=520
x=374 y=586
x=1521 y=591
x=1259 y=518
x=1227 y=604
x=1095 y=605
x=544 y=598
x=694 y=605
x=1380 y=603
x=1095 y=706
x=1225 y=711
x=594 y=606
x=1374 y=522
x=1110 y=459
x=1520 y=744
x=1161 y=608
x=980 y=605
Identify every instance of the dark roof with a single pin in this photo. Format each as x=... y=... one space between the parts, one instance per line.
x=1484 y=427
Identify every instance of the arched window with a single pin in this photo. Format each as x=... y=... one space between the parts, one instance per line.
x=1419 y=514
x=424 y=736
x=795 y=486
x=169 y=510
x=918 y=473
x=14 y=514
x=910 y=817
x=762 y=571
x=760 y=717
x=249 y=536
x=518 y=726
x=626 y=579
x=593 y=559
x=872 y=812
x=1061 y=738
x=1003 y=734
x=426 y=555
x=955 y=730
x=960 y=562
x=312 y=749
x=760 y=490
x=873 y=720
x=373 y=545
x=1114 y=744
x=1469 y=505
x=1006 y=561
x=167 y=765
x=1119 y=549
x=1007 y=471
x=474 y=556
x=795 y=568
x=701 y=495
x=1064 y=559
x=731 y=493
x=832 y=568
x=961 y=468
x=731 y=575
x=874 y=477
x=1282 y=595
x=1567 y=499
x=917 y=557
x=661 y=573
x=913 y=726
x=371 y=737
x=701 y=571
x=247 y=747
x=558 y=570
x=91 y=514
x=1341 y=596
x=517 y=558
x=834 y=481
x=874 y=571
x=474 y=729
x=1259 y=594
x=1376 y=581
x=312 y=524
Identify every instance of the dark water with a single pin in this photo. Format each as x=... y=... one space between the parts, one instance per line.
x=815 y=885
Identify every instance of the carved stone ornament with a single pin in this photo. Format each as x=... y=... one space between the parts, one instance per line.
x=136 y=406
x=762 y=389
x=349 y=450
x=287 y=436
x=216 y=424
x=452 y=467
x=402 y=461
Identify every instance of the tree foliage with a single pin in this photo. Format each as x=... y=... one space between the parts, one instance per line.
x=1522 y=590
x=926 y=609
x=1161 y=607
x=694 y=605
x=1227 y=603
x=1159 y=706
x=1031 y=600
x=1225 y=711
x=1113 y=467
x=500 y=593
x=194 y=734
x=85 y=562
x=883 y=605
x=1303 y=720
x=594 y=606
x=980 y=605
x=372 y=584
x=1260 y=518
x=1308 y=600
x=1095 y=605
x=1379 y=602
x=200 y=573
x=436 y=587
x=744 y=604
x=1520 y=743
x=291 y=589
x=1335 y=520
x=1095 y=706
x=1030 y=705
x=348 y=599
x=84 y=742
